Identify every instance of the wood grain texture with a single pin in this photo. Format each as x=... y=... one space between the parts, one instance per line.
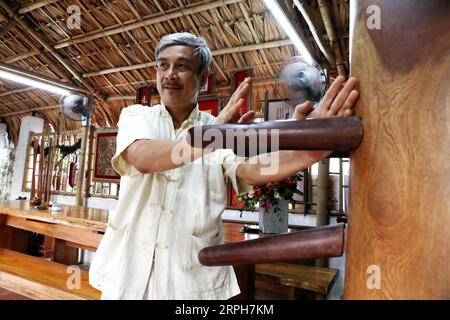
x=319 y=280
x=81 y=236
x=399 y=217
x=81 y=217
x=313 y=243
x=40 y=279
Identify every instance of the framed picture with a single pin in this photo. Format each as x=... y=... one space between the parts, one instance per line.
x=278 y=110
x=231 y=196
x=207 y=88
x=209 y=104
x=237 y=78
x=105 y=148
x=144 y=95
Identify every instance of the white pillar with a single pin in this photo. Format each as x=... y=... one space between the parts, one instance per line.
x=28 y=124
x=2 y=135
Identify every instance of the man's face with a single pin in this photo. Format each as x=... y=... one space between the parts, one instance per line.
x=178 y=77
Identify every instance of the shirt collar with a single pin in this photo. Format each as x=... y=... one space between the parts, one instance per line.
x=194 y=116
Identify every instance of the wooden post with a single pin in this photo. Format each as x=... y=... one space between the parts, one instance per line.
x=89 y=161
x=398 y=226
x=82 y=164
x=322 y=201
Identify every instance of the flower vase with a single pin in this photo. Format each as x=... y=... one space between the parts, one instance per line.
x=272 y=220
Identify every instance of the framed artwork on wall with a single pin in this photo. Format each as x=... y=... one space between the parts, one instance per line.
x=144 y=95
x=278 y=110
x=237 y=78
x=209 y=104
x=231 y=196
x=208 y=87
x=105 y=148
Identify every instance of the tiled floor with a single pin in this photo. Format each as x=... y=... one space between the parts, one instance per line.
x=8 y=295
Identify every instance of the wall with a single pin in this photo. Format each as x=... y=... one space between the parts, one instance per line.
x=28 y=124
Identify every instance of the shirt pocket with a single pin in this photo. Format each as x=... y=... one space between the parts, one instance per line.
x=197 y=243
x=200 y=278
x=110 y=251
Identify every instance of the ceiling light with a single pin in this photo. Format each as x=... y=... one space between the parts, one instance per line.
x=32 y=79
x=33 y=83
x=287 y=26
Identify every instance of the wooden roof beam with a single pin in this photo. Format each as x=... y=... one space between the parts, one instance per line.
x=218 y=52
x=146 y=22
x=214 y=62
x=326 y=17
x=322 y=46
x=237 y=59
x=35 y=6
x=44 y=43
x=255 y=36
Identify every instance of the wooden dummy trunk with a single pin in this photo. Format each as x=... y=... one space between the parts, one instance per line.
x=398 y=240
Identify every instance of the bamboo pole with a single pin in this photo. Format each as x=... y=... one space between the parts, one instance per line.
x=34 y=6
x=89 y=160
x=44 y=44
x=146 y=22
x=323 y=6
x=33 y=175
x=255 y=36
x=219 y=52
x=322 y=201
x=25 y=55
x=325 y=50
x=192 y=24
x=81 y=168
x=41 y=163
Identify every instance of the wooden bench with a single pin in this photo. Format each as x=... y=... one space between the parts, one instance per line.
x=41 y=279
x=288 y=278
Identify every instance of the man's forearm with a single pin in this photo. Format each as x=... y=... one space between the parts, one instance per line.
x=283 y=164
x=160 y=155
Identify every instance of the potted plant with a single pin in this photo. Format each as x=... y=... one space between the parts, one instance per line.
x=273 y=199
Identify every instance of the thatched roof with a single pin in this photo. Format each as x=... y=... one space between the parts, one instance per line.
x=112 y=53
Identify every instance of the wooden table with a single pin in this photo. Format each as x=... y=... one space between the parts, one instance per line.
x=75 y=227
x=72 y=227
x=80 y=227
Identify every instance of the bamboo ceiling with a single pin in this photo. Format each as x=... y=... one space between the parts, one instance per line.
x=113 y=51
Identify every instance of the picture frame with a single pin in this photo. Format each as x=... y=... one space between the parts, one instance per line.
x=209 y=104
x=105 y=148
x=237 y=78
x=144 y=95
x=208 y=87
x=231 y=197
x=278 y=110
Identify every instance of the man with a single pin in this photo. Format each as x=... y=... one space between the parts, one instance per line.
x=168 y=211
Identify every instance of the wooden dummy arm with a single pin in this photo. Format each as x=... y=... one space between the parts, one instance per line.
x=315 y=243
x=333 y=134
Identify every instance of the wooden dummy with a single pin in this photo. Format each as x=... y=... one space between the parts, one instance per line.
x=399 y=220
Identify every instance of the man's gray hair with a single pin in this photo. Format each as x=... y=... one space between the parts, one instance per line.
x=186 y=39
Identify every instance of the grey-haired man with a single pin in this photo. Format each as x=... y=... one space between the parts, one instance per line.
x=168 y=211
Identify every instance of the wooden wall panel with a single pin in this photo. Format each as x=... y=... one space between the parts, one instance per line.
x=399 y=217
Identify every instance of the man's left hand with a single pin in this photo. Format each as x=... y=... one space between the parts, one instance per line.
x=337 y=102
